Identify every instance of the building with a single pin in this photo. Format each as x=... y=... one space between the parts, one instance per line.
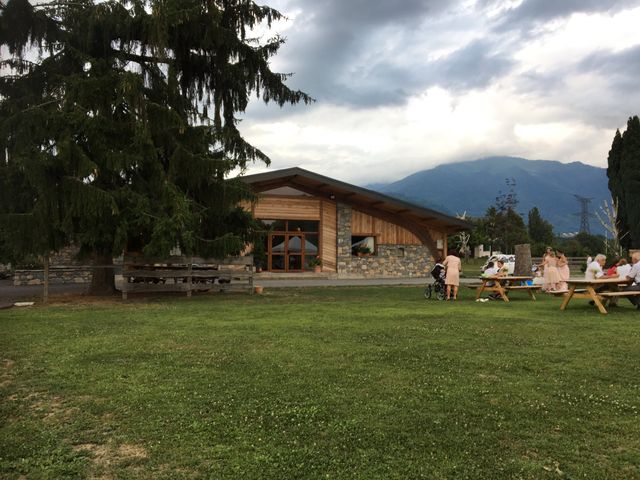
x=354 y=231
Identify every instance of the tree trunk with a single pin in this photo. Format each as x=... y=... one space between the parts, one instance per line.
x=103 y=281
x=523 y=260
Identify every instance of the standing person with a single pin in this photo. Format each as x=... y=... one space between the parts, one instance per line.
x=551 y=276
x=563 y=270
x=541 y=266
x=634 y=276
x=452 y=278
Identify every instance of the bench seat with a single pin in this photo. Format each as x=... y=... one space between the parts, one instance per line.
x=632 y=293
x=523 y=287
x=563 y=292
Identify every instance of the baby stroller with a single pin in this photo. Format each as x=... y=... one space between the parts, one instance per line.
x=437 y=287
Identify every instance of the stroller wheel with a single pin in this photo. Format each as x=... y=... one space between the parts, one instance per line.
x=427 y=292
x=440 y=295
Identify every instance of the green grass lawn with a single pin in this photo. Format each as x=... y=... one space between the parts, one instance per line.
x=320 y=383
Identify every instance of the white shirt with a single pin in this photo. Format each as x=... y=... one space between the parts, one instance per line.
x=623 y=270
x=490 y=272
x=594 y=271
x=635 y=273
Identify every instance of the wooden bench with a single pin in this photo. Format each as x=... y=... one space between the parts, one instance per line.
x=609 y=297
x=502 y=285
x=527 y=288
x=564 y=292
x=631 y=293
x=596 y=291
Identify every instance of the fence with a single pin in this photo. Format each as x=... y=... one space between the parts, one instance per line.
x=186 y=274
x=576 y=264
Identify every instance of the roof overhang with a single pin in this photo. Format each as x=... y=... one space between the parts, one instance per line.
x=358 y=197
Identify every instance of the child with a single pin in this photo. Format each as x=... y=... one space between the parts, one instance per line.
x=492 y=271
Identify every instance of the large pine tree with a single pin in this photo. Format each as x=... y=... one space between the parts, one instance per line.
x=119 y=118
x=540 y=231
x=624 y=181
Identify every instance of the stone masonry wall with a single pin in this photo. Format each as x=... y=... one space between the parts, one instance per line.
x=63 y=268
x=390 y=261
x=57 y=275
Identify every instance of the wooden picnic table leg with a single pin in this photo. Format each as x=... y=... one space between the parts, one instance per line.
x=481 y=289
x=531 y=294
x=596 y=299
x=567 y=297
x=502 y=292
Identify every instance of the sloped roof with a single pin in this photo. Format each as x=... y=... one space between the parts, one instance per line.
x=359 y=197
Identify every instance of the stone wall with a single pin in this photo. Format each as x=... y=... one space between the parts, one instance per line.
x=64 y=267
x=57 y=275
x=389 y=261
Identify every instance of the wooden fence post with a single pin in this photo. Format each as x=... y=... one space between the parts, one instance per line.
x=190 y=276
x=45 y=289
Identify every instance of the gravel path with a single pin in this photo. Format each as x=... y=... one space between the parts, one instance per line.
x=10 y=293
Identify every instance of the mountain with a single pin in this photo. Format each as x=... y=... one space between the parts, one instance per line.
x=474 y=185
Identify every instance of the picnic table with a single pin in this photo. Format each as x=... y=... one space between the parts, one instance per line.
x=503 y=285
x=588 y=288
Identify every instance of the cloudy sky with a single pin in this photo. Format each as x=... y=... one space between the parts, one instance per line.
x=404 y=85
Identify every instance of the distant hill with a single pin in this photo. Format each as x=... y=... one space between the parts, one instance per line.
x=473 y=186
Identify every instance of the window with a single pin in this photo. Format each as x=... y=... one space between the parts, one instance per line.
x=302 y=226
x=363 y=245
x=276 y=225
x=310 y=226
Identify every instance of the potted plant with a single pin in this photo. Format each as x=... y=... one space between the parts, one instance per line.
x=363 y=251
x=316 y=263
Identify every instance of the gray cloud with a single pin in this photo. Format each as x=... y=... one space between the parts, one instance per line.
x=339 y=50
x=363 y=54
x=622 y=69
x=473 y=66
x=532 y=13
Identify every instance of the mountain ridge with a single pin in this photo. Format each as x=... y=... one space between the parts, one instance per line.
x=472 y=186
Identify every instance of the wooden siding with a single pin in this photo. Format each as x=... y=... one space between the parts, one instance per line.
x=442 y=236
x=385 y=232
x=329 y=236
x=289 y=208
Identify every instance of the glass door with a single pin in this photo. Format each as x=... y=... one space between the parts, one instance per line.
x=293 y=246
x=295 y=252
x=277 y=252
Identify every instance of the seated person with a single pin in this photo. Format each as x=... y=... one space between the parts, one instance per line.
x=503 y=270
x=537 y=276
x=623 y=268
x=492 y=271
x=633 y=277
x=594 y=269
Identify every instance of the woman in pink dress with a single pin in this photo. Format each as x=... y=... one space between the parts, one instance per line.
x=551 y=275
x=563 y=271
x=452 y=278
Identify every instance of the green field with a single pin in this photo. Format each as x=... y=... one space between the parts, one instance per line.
x=320 y=383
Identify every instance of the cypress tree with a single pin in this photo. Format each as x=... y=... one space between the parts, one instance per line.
x=120 y=118
x=615 y=185
x=624 y=181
